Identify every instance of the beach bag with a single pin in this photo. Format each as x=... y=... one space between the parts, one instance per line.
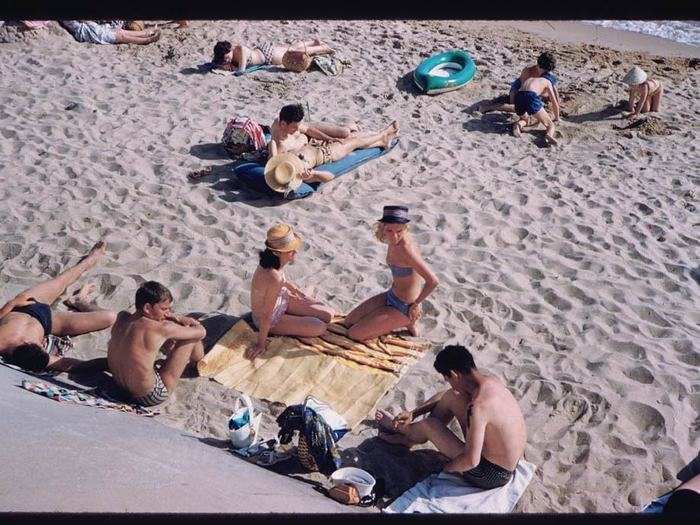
x=345 y=494
x=242 y=428
x=296 y=60
x=243 y=135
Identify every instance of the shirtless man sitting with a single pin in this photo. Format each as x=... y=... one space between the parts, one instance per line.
x=137 y=338
x=530 y=108
x=27 y=320
x=486 y=411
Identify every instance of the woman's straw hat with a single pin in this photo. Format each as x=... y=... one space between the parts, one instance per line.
x=635 y=76
x=283 y=172
x=281 y=238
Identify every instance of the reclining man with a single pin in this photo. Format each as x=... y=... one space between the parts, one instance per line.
x=486 y=411
x=138 y=337
x=27 y=320
x=318 y=143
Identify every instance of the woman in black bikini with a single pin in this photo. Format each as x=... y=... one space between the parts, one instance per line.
x=399 y=306
x=27 y=320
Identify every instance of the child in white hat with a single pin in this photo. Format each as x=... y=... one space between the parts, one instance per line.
x=644 y=93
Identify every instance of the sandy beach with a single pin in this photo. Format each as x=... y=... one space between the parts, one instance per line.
x=572 y=272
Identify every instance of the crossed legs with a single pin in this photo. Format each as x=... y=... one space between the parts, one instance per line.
x=370 y=140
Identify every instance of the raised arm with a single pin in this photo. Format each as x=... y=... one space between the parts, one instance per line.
x=178 y=332
x=551 y=90
x=643 y=95
x=474 y=442
x=431 y=280
x=20 y=300
x=315 y=133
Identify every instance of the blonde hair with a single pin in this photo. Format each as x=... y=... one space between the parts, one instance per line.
x=379 y=230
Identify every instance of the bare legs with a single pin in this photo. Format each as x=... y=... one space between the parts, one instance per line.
x=312 y=47
x=432 y=428
x=89 y=318
x=373 y=318
x=49 y=291
x=304 y=319
x=124 y=36
x=382 y=140
x=336 y=131
x=182 y=354
x=541 y=117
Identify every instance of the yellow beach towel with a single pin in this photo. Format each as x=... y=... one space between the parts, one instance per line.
x=351 y=377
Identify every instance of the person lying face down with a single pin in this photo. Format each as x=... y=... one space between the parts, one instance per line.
x=238 y=57
x=278 y=306
x=27 y=321
x=487 y=413
x=412 y=282
x=137 y=338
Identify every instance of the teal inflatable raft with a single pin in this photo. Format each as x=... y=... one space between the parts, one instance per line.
x=444 y=72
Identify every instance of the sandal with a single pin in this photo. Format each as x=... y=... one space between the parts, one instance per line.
x=194 y=176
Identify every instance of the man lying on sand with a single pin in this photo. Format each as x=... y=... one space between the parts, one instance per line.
x=137 y=338
x=239 y=57
x=109 y=33
x=644 y=93
x=289 y=133
x=546 y=63
x=530 y=108
x=486 y=411
x=27 y=320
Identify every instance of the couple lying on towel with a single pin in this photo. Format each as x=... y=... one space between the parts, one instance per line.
x=27 y=321
x=296 y=148
x=281 y=308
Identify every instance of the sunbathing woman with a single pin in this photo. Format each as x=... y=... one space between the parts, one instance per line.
x=239 y=57
x=399 y=306
x=644 y=93
x=27 y=320
x=279 y=307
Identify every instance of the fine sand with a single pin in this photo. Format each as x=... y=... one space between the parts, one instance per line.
x=571 y=272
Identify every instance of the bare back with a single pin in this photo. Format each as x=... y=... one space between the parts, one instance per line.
x=132 y=350
x=506 y=434
x=266 y=281
x=539 y=85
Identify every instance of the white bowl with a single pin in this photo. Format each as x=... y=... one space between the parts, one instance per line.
x=361 y=479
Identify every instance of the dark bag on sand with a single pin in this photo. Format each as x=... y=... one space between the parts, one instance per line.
x=316 y=446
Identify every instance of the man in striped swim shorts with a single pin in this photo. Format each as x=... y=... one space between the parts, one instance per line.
x=138 y=337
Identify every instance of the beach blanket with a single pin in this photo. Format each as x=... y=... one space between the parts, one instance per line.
x=448 y=493
x=82 y=397
x=210 y=68
x=252 y=175
x=348 y=376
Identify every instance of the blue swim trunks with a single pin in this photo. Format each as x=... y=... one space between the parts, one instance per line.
x=527 y=102
x=395 y=302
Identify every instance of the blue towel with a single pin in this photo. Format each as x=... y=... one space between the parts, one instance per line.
x=208 y=66
x=252 y=175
